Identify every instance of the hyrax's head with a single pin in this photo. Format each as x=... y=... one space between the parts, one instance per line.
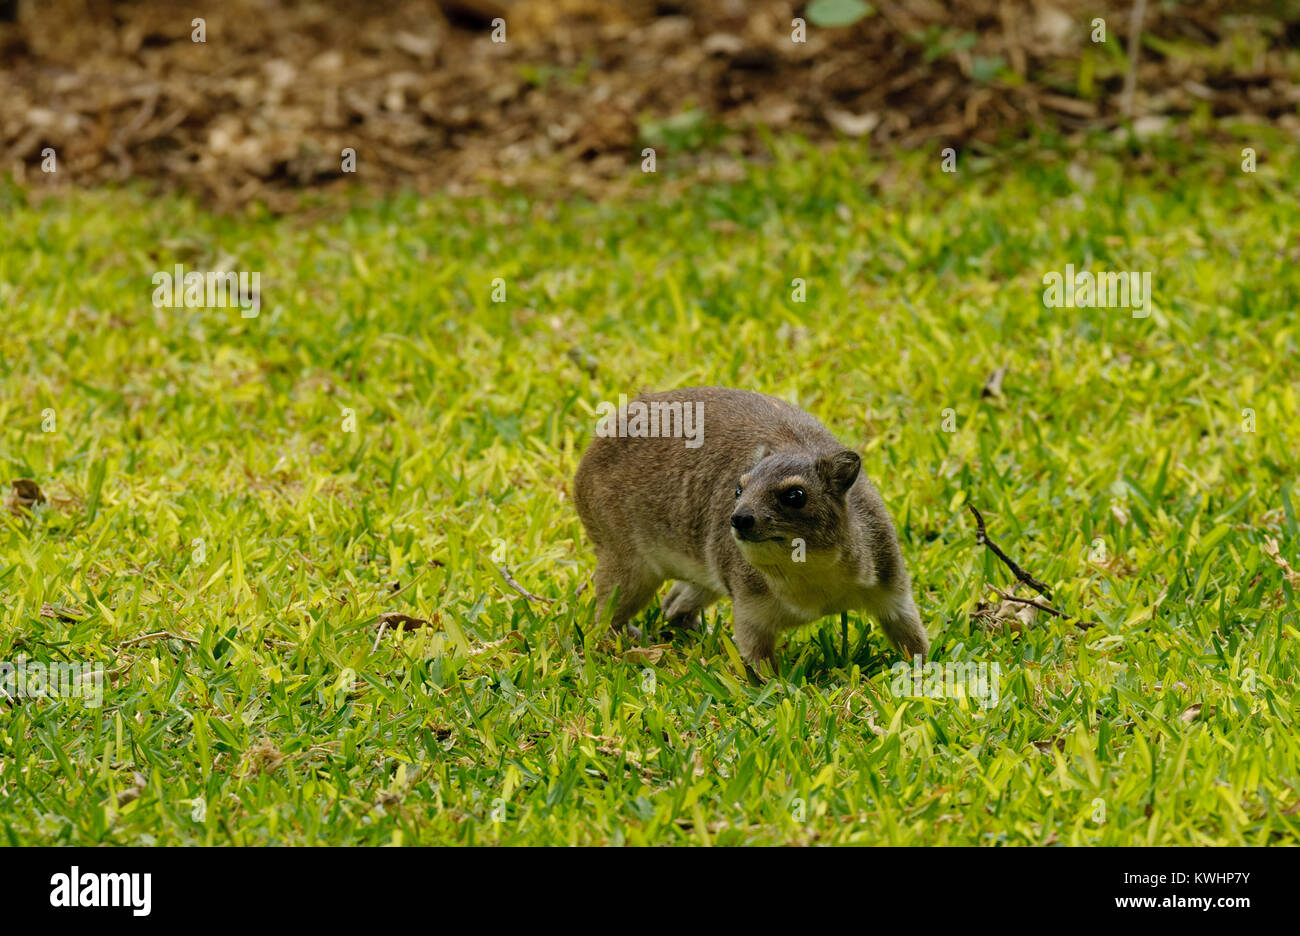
x=789 y=497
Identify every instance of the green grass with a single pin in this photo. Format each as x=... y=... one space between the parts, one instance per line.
x=512 y=722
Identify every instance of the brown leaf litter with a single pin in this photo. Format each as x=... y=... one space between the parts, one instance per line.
x=418 y=90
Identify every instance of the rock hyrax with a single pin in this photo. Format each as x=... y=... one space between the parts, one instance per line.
x=763 y=505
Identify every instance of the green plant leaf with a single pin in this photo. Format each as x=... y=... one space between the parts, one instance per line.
x=837 y=12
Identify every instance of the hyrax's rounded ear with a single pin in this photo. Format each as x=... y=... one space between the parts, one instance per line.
x=840 y=470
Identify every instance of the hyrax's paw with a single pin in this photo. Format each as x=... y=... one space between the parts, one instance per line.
x=901 y=623
x=756 y=646
x=916 y=646
x=684 y=605
x=631 y=632
x=686 y=622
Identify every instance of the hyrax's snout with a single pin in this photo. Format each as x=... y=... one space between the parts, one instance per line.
x=742 y=521
x=748 y=526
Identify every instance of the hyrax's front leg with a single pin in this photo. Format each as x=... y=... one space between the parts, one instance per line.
x=684 y=605
x=759 y=621
x=621 y=591
x=901 y=622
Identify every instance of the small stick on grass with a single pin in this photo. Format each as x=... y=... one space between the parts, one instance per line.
x=156 y=635
x=1083 y=625
x=1134 y=53
x=510 y=580
x=982 y=538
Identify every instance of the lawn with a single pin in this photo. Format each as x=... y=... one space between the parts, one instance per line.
x=232 y=504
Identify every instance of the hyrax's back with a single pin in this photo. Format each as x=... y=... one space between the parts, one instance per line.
x=638 y=493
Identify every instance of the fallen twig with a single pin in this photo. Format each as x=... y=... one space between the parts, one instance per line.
x=982 y=537
x=60 y=613
x=510 y=580
x=1084 y=625
x=1134 y=53
x=168 y=635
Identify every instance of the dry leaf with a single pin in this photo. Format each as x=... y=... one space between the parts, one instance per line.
x=1017 y=616
x=60 y=613
x=511 y=637
x=1009 y=615
x=395 y=619
x=1273 y=552
x=1150 y=125
x=1054 y=30
x=263 y=757
x=854 y=125
x=24 y=494
x=651 y=654
x=724 y=44
x=993 y=383
x=418 y=46
x=132 y=792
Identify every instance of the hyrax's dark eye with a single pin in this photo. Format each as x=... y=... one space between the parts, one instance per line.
x=794 y=497
x=737 y=490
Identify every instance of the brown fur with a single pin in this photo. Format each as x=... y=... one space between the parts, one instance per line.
x=656 y=509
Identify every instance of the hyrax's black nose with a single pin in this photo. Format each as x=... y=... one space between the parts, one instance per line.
x=743 y=522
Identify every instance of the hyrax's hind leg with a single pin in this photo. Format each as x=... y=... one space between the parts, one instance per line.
x=685 y=603
x=620 y=593
x=901 y=622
